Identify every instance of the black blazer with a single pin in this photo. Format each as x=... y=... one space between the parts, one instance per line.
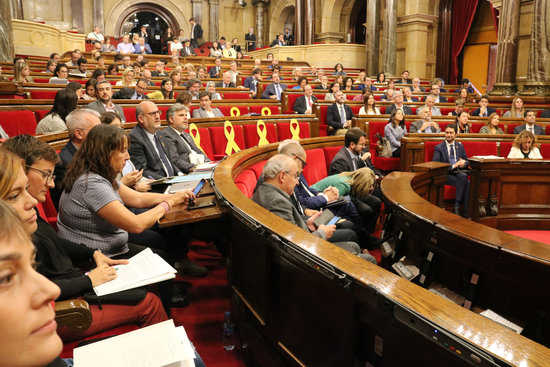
x=333 y=116
x=197 y=32
x=144 y=155
x=214 y=73
x=177 y=150
x=300 y=104
x=65 y=157
x=441 y=154
x=539 y=130
x=406 y=109
x=490 y=110
x=342 y=162
x=270 y=90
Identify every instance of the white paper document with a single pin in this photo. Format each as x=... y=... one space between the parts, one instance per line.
x=159 y=345
x=142 y=269
x=501 y=320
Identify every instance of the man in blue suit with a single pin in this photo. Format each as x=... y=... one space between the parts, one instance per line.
x=275 y=89
x=452 y=152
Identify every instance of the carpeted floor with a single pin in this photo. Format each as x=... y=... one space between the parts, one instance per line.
x=203 y=318
x=540 y=236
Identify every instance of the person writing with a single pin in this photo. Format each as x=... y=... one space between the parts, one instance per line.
x=524 y=147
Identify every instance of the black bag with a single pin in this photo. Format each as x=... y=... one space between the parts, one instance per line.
x=128 y=297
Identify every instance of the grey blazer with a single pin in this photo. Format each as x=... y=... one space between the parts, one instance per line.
x=416 y=125
x=98 y=106
x=278 y=202
x=201 y=113
x=177 y=150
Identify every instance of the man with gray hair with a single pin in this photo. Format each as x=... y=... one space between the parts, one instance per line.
x=79 y=123
x=180 y=147
x=280 y=176
x=226 y=81
x=430 y=104
x=398 y=104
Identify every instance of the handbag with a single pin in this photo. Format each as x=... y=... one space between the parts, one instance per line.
x=383 y=147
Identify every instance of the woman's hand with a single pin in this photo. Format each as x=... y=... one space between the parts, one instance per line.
x=102 y=274
x=132 y=178
x=181 y=197
x=101 y=259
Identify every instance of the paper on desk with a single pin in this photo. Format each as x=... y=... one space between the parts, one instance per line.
x=194 y=176
x=206 y=166
x=501 y=320
x=142 y=269
x=158 y=345
x=487 y=157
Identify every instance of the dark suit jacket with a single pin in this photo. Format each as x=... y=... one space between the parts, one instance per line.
x=251 y=41
x=248 y=83
x=127 y=93
x=220 y=85
x=98 y=106
x=539 y=130
x=65 y=157
x=156 y=73
x=300 y=104
x=197 y=32
x=441 y=154
x=490 y=110
x=404 y=81
x=545 y=114
x=190 y=53
x=333 y=116
x=278 y=202
x=144 y=155
x=214 y=73
x=177 y=150
x=342 y=162
x=307 y=201
x=406 y=109
x=270 y=90
x=320 y=86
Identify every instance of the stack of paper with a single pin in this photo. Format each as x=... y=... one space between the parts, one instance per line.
x=159 y=345
x=142 y=269
x=501 y=320
x=208 y=166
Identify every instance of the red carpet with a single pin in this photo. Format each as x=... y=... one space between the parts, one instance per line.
x=540 y=236
x=203 y=318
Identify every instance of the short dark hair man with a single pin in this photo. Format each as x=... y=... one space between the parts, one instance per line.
x=206 y=110
x=484 y=110
x=339 y=114
x=104 y=103
x=453 y=152
x=252 y=81
x=304 y=104
x=530 y=119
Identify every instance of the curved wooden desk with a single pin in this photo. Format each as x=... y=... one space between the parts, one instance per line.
x=300 y=301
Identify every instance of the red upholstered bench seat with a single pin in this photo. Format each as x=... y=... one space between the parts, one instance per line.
x=18 y=122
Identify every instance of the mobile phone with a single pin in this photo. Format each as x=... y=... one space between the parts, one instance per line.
x=199 y=187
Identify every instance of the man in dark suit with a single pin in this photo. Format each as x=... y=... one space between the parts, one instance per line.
x=275 y=89
x=196 y=33
x=252 y=82
x=104 y=101
x=304 y=104
x=275 y=193
x=288 y=37
x=404 y=78
x=452 y=152
x=530 y=119
x=436 y=91
x=250 y=39
x=159 y=69
x=398 y=104
x=339 y=114
x=206 y=110
x=323 y=83
x=187 y=50
x=79 y=123
x=226 y=81
x=483 y=110
x=216 y=70
x=146 y=149
x=353 y=157
x=180 y=147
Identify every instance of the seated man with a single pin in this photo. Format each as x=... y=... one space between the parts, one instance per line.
x=251 y=82
x=141 y=47
x=226 y=81
x=187 y=50
x=139 y=92
x=339 y=114
x=206 y=110
x=146 y=149
x=193 y=88
x=216 y=70
x=159 y=69
x=426 y=124
x=323 y=79
x=304 y=104
x=530 y=119
x=280 y=177
x=404 y=78
x=182 y=150
x=483 y=110
x=436 y=90
x=452 y=152
x=275 y=89
x=104 y=103
x=79 y=123
x=430 y=104
x=398 y=104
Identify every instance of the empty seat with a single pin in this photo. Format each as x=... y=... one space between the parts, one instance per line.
x=18 y=122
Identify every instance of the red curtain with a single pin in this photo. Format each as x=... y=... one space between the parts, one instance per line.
x=494 y=13
x=463 y=16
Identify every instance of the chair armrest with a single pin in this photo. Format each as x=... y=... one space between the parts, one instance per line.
x=73 y=313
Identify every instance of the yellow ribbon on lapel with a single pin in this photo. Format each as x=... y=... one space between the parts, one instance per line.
x=295 y=129
x=229 y=132
x=235 y=112
x=266 y=111
x=194 y=132
x=262 y=133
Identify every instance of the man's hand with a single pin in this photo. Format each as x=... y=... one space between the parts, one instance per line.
x=101 y=259
x=310 y=212
x=366 y=156
x=331 y=193
x=310 y=220
x=347 y=124
x=102 y=274
x=327 y=230
x=274 y=96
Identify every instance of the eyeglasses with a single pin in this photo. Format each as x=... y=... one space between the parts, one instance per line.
x=153 y=113
x=294 y=175
x=301 y=160
x=46 y=175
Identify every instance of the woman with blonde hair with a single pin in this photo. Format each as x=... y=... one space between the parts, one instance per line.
x=492 y=125
x=358 y=184
x=517 y=110
x=128 y=78
x=22 y=73
x=211 y=88
x=525 y=147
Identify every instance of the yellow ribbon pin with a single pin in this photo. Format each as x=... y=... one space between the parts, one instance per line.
x=194 y=132
x=229 y=132
x=235 y=112
x=266 y=111
x=262 y=133
x=295 y=129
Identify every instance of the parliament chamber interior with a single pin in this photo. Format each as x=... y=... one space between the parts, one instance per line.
x=275 y=183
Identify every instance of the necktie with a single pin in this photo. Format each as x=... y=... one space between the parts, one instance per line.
x=342 y=114
x=164 y=159
x=452 y=157
x=278 y=91
x=297 y=204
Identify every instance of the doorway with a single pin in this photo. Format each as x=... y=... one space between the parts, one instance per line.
x=357 y=21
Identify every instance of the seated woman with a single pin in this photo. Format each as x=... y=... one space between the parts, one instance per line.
x=211 y=88
x=381 y=78
x=492 y=125
x=56 y=257
x=348 y=84
x=517 y=110
x=465 y=96
x=215 y=50
x=128 y=78
x=339 y=70
x=54 y=122
x=166 y=90
x=60 y=75
x=22 y=73
x=369 y=105
x=333 y=88
x=525 y=147
x=50 y=67
x=359 y=183
x=175 y=77
x=395 y=130
x=302 y=82
x=89 y=90
x=185 y=99
x=462 y=123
